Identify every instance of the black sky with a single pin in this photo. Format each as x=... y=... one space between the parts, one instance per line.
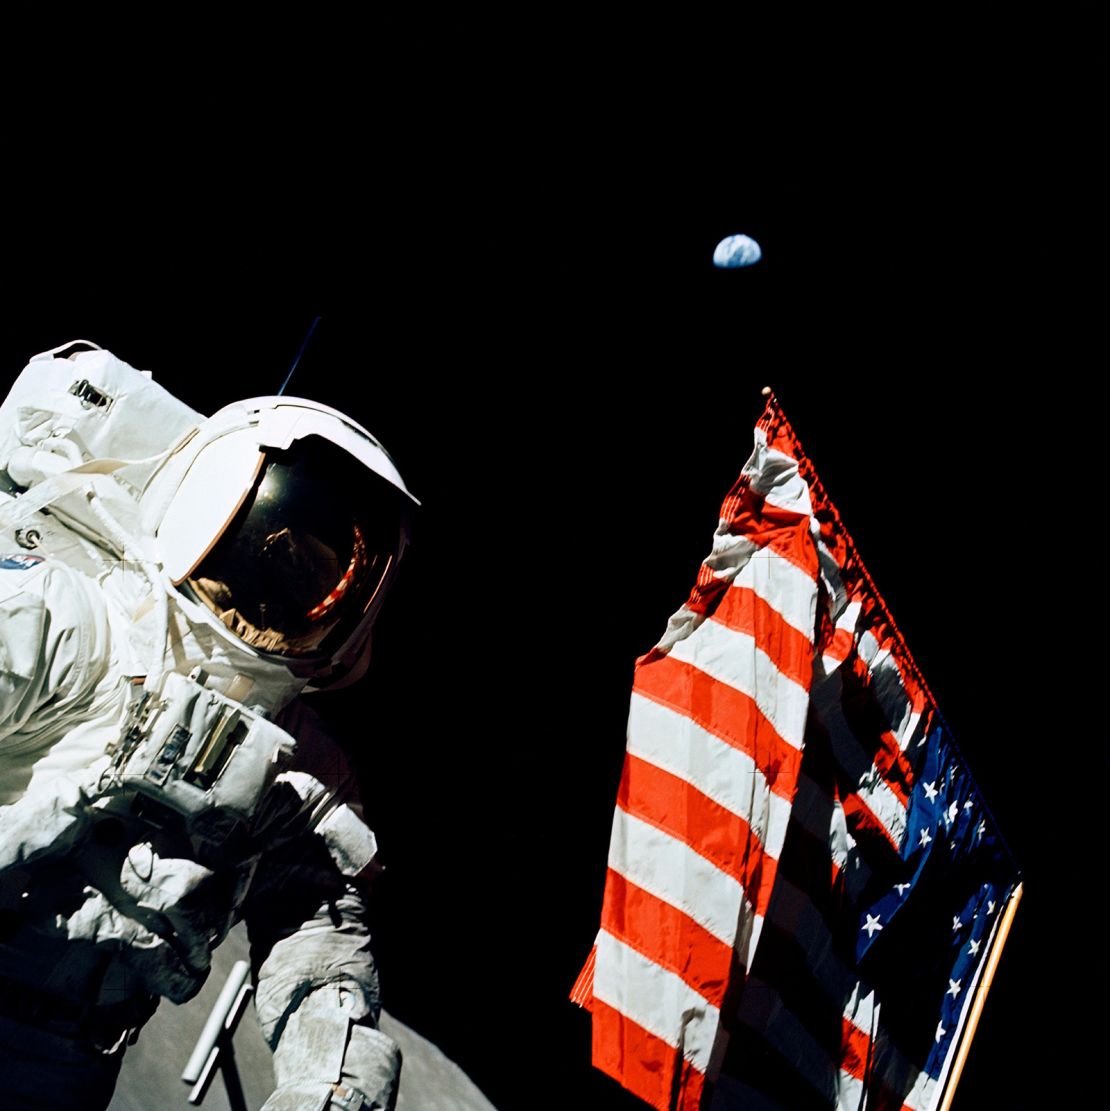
x=521 y=306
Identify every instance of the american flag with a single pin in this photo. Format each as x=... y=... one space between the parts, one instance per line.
x=804 y=885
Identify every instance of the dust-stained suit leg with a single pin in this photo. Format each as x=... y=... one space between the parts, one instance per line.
x=317 y=1001
x=317 y=986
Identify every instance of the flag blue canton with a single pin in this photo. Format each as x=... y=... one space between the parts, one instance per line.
x=942 y=911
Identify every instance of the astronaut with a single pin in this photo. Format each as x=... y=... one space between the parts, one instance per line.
x=168 y=585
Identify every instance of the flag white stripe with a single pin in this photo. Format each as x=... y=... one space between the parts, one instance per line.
x=884 y=804
x=732 y=658
x=670 y=740
x=849 y=1095
x=774 y=474
x=666 y=868
x=860 y=1008
x=784 y=586
x=658 y=1000
x=846 y=622
x=924 y=1093
x=730 y=553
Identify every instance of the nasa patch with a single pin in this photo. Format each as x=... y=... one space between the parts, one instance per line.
x=19 y=562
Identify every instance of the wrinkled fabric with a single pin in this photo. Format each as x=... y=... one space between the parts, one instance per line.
x=160 y=917
x=325 y=1048
x=318 y=1001
x=59 y=690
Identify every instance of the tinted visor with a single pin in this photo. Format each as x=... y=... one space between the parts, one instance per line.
x=305 y=556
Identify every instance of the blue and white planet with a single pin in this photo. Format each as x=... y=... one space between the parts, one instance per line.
x=735 y=251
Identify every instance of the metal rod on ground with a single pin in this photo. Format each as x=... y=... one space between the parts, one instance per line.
x=213 y=1050
x=981 y=998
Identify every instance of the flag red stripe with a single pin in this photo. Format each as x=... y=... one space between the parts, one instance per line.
x=744 y=611
x=896 y=769
x=779 y=433
x=794 y=544
x=642 y=1063
x=680 y=809
x=767 y=525
x=856 y=1059
x=855 y=1049
x=665 y=935
x=726 y=713
x=861 y=816
x=583 y=991
x=841 y=645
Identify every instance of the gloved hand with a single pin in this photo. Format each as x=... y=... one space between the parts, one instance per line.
x=160 y=913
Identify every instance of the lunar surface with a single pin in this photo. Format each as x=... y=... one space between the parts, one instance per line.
x=735 y=251
x=151 y=1074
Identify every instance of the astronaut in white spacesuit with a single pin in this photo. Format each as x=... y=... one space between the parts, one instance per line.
x=168 y=585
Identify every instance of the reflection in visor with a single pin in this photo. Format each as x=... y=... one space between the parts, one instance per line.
x=302 y=562
x=358 y=561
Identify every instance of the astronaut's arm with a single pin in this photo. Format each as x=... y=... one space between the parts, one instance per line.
x=40 y=657
x=316 y=984
x=53 y=656
x=317 y=1002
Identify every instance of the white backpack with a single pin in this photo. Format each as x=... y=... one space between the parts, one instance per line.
x=80 y=420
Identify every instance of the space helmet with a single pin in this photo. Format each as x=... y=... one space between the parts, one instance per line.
x=287 y=520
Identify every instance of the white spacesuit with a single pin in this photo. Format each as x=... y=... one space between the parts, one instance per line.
x=168 y=585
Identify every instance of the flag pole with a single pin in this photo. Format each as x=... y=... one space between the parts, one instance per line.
x=981 y=998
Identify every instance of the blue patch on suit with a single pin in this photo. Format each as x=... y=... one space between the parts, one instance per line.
x=19 y=562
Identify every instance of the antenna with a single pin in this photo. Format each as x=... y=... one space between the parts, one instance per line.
x=304 y=344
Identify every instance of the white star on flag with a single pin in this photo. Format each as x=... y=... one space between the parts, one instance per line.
x=953 y=810
x=953 y=988
x=930 y=790
x=973 y=947
x=925 y=838
x=957 y=924
x=969 y=804
x=872 y=924
x=940 y=1033
x=990 y=906
x=902 y=888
